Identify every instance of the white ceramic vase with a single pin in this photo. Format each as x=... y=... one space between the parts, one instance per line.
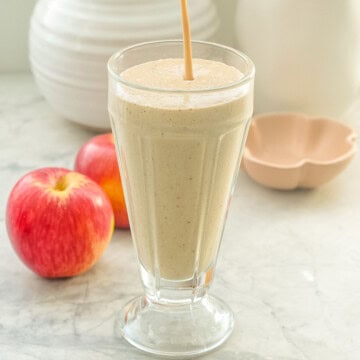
x=71 y=41
x=306 y=53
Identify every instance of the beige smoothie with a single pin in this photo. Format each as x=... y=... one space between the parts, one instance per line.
x=179 y=148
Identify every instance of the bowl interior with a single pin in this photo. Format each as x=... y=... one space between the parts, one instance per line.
x=288 y=139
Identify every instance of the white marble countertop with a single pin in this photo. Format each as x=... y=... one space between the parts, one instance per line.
x=289 y=264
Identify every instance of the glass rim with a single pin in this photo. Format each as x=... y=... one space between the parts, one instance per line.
x=248 y=74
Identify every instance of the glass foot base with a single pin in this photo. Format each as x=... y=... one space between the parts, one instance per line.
x=181 y=331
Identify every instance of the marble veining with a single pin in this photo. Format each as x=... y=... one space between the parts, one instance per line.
x=289 y=265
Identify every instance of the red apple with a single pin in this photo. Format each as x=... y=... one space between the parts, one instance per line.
x=59 y=222
x=97 y=160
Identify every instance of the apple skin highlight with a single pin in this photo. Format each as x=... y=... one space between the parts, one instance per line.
x=59 y=222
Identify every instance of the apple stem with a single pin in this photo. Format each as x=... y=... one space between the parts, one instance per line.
x=61 y=184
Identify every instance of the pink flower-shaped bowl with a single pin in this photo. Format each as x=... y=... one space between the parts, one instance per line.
x=291 y=150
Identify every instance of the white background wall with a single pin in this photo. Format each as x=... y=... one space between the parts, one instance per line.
x=14 y=23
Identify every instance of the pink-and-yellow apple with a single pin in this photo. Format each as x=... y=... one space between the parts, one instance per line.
x=97 y=160
x=58 y=221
